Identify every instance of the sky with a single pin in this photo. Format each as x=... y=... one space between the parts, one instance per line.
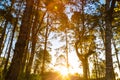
x=73 y=59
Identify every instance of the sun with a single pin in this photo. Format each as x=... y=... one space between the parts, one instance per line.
x=62 y=70
x=55 y=7
x=74 y=66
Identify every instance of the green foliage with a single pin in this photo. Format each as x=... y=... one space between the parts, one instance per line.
x=34 y=77
x=39 y=59
x=39 y=56
x=98 y=70
x=31 y=77
x=1 y=76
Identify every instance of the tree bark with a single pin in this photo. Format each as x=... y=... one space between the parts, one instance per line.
x=5 y=27
x=84 y=61
x=2 y=37
x=11 y=42
x=116 y=54
x=34 y=41
x=108 y=36
x=45 y=49
x=85 y=69
x=14 y=69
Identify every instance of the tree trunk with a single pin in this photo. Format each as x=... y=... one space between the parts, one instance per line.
x=2 y=37
x=116 y=54
x=34 y=41
x=67 y=58
x=11 y=42
x=85 y=69
x=108 y=36
x=95 y=66
x=45 y=49
x=14 y=69
x=84 y=61
x=109 y=61
x=24 y=59
x=5 y=27
x=35 y=69
x=44 y=54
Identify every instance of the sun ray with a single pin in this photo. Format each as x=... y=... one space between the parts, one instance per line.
x=62 y=70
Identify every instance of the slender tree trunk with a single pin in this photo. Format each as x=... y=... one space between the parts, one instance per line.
x=67 y=62
x=95 y=66
x=5 y=27
x=109 y=61
x=45 y=49
x=2 y=37
x=9 y=50
x=27 y=42
x=3 y=60
x=24 y=63
x=85 y=69
x=34 y=41
x=116 y=54
x=14 y=69
x=29 y=66
x=35 y=70
x=108 y=36
x=8 y=45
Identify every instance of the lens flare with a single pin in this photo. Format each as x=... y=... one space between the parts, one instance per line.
x=55 y=7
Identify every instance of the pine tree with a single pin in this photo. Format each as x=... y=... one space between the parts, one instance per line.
x=14 y=69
